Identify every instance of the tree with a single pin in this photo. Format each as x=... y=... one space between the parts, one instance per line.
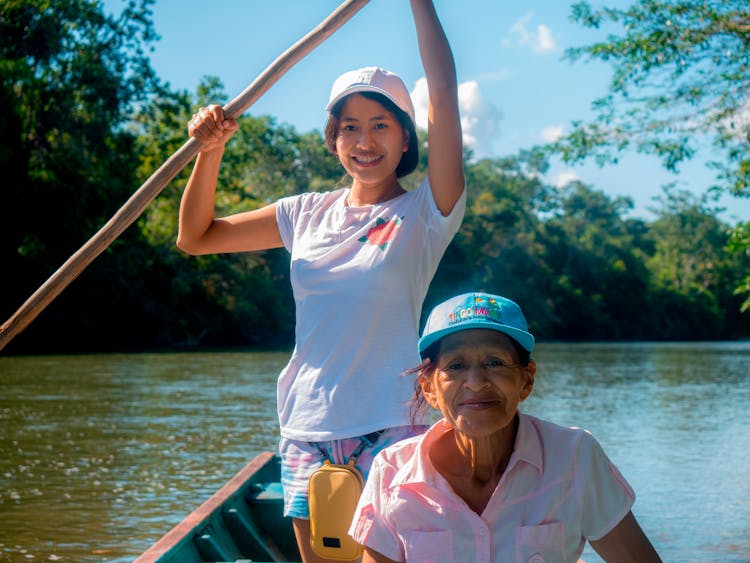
x=680 y=85
x=739 y=243
x=598 y=282
x=69 y=78
x=692 y=269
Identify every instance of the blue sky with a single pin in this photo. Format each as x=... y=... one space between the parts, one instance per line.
x=515 y=88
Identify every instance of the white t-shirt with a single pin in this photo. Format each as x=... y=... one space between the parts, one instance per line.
x=559 y=490
x=359 y=277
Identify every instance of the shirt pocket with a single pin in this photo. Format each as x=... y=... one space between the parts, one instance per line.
x=544 y=543
x=428 y=547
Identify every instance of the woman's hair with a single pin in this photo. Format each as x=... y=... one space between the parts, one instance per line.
x=419 y=405
x=409 y=159
x=425 y=370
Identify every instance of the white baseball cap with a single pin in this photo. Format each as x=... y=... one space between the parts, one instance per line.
x=372 y=79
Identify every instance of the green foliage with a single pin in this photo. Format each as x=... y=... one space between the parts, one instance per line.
x=739 y=243
x=679 y=87
x=691 y=258
x=593 y=255
x=69 y=76
x=680 y=78
x=86 y=122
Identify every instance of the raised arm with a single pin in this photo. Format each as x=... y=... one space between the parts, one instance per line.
x=200 y=232
x=445 y=150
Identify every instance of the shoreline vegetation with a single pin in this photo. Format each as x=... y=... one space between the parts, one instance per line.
x=88 y=121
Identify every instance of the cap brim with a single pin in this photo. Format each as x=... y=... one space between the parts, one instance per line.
x=525 y=339
x=359 y=88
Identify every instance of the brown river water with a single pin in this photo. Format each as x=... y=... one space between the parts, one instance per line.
x=100 y=455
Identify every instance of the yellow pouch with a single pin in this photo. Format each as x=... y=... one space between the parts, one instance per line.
x=334 y=492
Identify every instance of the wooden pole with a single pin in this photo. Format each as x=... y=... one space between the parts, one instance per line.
x=138 y=202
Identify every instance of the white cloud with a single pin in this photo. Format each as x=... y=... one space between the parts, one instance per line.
x=544 y=42
x=420 y=99
x=565 y=177
x=552 y=133
x=737 y=124
x=540 y=39
x=480 y=120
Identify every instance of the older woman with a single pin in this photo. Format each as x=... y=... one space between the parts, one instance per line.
x=486 y=482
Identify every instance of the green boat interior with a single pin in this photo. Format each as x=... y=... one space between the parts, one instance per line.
x=244 y=534
x=242 y=523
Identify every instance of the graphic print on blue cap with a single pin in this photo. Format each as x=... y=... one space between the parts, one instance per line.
x=477 y=306
x=476 y=310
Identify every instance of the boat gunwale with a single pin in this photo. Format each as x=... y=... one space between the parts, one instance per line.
x=195 y=519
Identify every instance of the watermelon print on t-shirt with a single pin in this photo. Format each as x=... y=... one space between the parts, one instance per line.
x=383 y=232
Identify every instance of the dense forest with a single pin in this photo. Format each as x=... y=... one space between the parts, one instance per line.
x=86 y=121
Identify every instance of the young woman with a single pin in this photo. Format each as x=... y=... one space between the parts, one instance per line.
x=488 y=483
x=361 y=259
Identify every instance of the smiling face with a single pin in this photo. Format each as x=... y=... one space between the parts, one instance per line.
x=477 y=382
x=370 y=141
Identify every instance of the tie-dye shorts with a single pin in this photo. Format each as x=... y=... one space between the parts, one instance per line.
x=300 y=459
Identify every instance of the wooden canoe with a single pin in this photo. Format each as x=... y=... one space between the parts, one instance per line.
x=242 y=522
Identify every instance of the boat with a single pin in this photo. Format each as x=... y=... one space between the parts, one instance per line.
x=243 y=522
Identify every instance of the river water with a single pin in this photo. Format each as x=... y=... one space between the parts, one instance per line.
x=100 y=455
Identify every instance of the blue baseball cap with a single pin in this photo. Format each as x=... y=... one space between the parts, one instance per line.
x=476 y=310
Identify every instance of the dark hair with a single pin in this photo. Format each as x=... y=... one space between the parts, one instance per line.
x=524 y=356
x=419 y=404
x=424 y=370
x=409 y=159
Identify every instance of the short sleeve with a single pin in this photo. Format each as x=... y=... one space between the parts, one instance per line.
x=438 y=231
x=370 y=526
x=606 y=496
x=286 y=210
x=450 y=223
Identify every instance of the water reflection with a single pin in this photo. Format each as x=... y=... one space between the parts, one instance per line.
x=674 y=417
x=100 y=455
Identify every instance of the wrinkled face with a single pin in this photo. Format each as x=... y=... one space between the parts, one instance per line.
x=477 y=383
x=370 y=140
